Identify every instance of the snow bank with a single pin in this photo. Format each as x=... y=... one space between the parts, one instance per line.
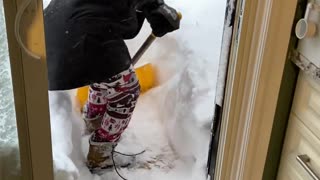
x=224 y=57
x=66 y=127
x=187 y=65
x=172 y=121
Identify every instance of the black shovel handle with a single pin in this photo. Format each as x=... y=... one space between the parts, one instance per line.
x=147 y=43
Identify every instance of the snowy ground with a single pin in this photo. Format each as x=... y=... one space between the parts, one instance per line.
x=172 y=121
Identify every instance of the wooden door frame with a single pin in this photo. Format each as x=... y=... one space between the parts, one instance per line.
x=30 y=86
x=260 y=44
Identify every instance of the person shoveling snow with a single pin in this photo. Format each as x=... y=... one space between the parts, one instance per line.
x=85 y=46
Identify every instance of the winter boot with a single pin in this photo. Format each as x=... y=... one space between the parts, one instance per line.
x=92 y=123
x=102 y=157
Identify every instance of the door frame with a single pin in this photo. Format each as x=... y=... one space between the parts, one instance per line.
x=258 y=55
x=30 y=87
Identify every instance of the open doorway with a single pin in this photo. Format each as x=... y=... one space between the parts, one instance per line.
x=173 y=120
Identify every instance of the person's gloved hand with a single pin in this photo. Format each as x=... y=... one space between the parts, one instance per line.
x=163 y=19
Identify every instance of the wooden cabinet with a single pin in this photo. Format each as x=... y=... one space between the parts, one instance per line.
x=306 y=104
x=302 y=140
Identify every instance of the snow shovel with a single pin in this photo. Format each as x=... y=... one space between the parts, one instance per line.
x=145 y=73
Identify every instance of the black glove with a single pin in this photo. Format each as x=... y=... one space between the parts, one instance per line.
x=162 y=18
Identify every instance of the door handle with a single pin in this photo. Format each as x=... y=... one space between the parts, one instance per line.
x=17 y=22
x=304 y=160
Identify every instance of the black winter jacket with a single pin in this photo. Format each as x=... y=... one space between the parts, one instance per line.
x=85 y=40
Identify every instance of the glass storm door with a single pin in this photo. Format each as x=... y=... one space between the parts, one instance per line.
x=25 y=141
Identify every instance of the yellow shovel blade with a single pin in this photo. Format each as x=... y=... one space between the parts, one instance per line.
x=146 y=76
x=82 y=95
x=144 y=73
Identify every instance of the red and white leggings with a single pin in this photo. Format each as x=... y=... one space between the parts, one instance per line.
x=116 y=98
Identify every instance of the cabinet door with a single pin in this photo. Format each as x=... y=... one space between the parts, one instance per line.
x=299 y=141
x=30 y=89
x=300 y=157
x=306 y=104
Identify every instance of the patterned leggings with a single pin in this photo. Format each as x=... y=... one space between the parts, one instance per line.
x=115 y=99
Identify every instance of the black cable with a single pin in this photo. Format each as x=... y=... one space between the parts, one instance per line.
x=114 y=164
x=115 y=167
x=130 y=155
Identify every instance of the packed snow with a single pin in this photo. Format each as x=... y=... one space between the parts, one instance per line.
x=224 y=56
x=172 y=122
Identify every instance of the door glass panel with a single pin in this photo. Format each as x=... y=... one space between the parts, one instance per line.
x=9 y=143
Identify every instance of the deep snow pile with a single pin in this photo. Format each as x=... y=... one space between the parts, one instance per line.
x=187 y=63
x=172 y=121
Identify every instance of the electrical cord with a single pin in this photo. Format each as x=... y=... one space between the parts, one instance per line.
x=123 y=154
